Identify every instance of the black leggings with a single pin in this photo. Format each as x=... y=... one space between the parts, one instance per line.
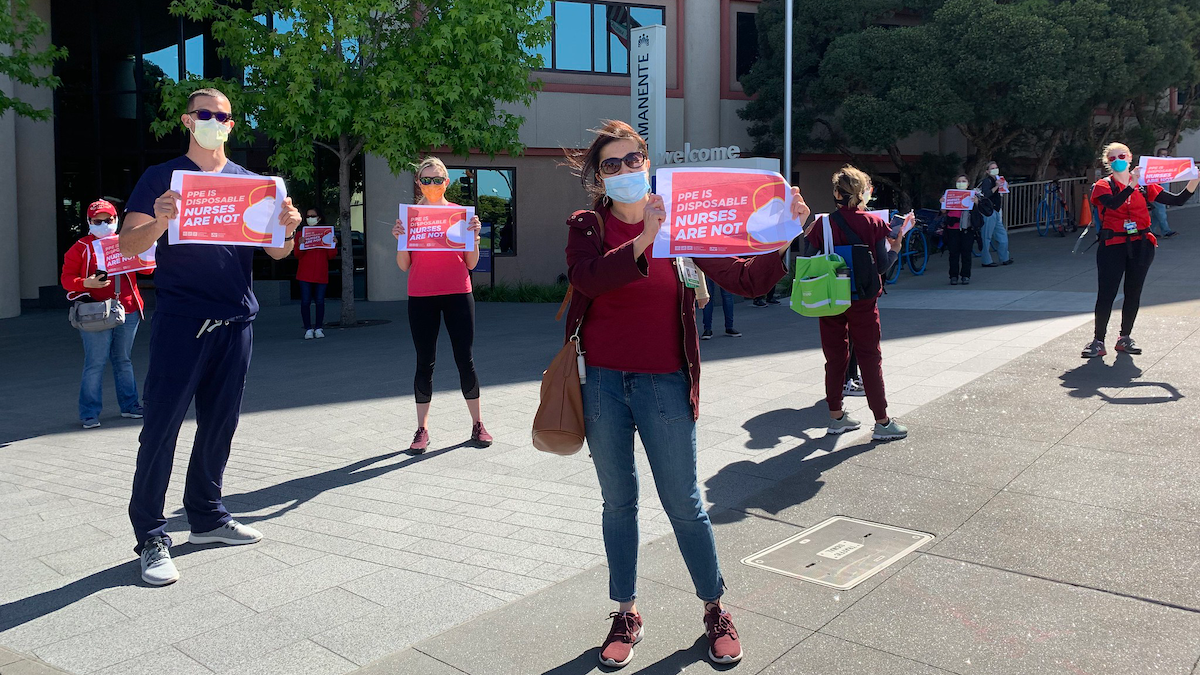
x=959 y=244
x=1130 y=260
x=425 y=316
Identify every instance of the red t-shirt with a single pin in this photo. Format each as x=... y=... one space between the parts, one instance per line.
x=637 y=328
x=1134 y=209
x=438 y=273
x=313 y=265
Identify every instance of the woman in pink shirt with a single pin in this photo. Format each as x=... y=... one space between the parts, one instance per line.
x=439 y=287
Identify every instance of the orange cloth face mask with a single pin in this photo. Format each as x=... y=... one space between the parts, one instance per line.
x=433 y=193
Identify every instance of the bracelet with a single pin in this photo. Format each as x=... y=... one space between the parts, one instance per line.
x=291 y=236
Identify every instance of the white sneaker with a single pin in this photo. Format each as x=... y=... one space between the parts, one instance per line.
x=319 y=333
x=233 y=533
x=157 y=568
x=854 y=387
x=308 y=334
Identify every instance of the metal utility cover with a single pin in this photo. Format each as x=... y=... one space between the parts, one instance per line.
x=840 y=552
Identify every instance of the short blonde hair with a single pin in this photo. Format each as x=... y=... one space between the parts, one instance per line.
x=425 y=164
x=1109 y=149
x=849 y=184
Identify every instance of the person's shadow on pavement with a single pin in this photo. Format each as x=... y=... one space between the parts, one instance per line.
x=675 y=662
x=798 y=467
x=1087 y=380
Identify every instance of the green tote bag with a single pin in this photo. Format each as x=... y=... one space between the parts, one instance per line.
x=822 y=284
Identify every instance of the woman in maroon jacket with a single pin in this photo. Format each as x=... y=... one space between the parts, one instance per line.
x=858 y=325
x=636 y=319
x=312 y=272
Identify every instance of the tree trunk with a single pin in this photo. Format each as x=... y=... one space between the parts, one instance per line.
x=344 y=196
x=1047 y=155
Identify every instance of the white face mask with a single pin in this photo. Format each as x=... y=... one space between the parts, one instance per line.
x=627 y=188
x=103 y=230
x=993 y=172
x=867 y=197
x=210 y=134
x=961 y=185
x=312 y=220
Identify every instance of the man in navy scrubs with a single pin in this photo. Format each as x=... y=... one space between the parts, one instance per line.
x=200 y=343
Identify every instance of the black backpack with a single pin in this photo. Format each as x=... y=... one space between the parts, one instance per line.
x=866 y=282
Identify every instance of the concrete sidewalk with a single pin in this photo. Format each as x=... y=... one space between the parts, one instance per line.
x=369 y=551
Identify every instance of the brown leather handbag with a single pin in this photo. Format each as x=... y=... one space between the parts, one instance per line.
x=558 y=424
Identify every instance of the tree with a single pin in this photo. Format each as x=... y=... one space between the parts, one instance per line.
x=20 y=58
x=390 y=77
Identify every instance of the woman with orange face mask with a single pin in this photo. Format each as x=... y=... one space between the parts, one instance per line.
x=439 y=287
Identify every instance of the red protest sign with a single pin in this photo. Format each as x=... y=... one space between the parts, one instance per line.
x=719 y=212
x=1002 y=182
x=109 y=258
x=227 y=209
x=1158 y=170
x=958 y=200
x=436 y=228
x=316 y=236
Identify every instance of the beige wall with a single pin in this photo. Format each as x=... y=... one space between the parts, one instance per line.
x=10 y=261
x=36 y=187
x=702 y=70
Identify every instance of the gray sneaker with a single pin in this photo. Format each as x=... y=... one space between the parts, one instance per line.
x=157 y=568
x=233 y=533
x=892 y=431
x=91 y=423
x=847 y=423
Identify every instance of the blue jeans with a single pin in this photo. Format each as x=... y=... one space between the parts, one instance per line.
x=726 y=306
x=309 y=292
x=1158 y=219
x=993 y=231
x=615 y=403
x=98 y=349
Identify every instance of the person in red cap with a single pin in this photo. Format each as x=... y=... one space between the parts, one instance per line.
x=83 y=281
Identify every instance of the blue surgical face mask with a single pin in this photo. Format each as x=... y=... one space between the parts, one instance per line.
x=1119 y=165
x=627 y=188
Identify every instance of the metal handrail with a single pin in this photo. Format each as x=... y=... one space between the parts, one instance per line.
x=1020 y=205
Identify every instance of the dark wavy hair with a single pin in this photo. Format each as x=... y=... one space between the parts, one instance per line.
x=586 y=163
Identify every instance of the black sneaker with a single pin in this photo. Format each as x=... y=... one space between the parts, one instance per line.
x=733 y=332
x=965 y=281
x=706 y=335
x=759 y=302
x=953 y=281
x=1170 y=234
x=1126 y=344
x=1008 y=262
x=1096 y=348
x=772 y=301
x=991 y=265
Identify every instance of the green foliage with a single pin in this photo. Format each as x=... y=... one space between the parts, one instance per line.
x=22 y=60
x=523 y=291
x=390 y=78
x=1031 y=73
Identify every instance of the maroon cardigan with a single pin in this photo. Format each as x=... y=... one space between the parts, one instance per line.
x=595 y=270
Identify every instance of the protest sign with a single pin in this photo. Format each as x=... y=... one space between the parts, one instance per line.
x=719 y=212
x=436 y=228
x=316 y=236
x=109 y=258
x=227 y=209
x=1158 y=170
x=1002 y=182
x=958 y=200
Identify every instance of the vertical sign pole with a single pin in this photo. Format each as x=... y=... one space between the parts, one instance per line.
x=648 y=87
x=787 y=100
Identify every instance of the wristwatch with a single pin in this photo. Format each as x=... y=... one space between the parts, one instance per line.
x=290 y=236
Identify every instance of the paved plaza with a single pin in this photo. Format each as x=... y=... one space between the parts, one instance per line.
x=1061 y=495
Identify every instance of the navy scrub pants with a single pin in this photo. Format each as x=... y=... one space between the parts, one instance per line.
x=190 y=359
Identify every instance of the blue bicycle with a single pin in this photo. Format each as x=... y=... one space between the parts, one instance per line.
x=1052 y=214
x=914 y=249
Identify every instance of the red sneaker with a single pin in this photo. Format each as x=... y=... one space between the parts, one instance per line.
x=420 y=442
x=723 y=643
x=480 y=436
x=617 y=650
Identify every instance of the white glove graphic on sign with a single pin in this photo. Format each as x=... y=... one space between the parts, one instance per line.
x=258 y=216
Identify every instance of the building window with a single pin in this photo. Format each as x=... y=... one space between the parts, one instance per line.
x=491 y=192
x=747 y=44
x=593 y=37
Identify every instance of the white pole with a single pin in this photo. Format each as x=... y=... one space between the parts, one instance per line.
x=787 y=90
x=787 y=102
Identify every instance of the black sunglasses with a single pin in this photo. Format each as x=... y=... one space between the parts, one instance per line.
x=98 y=221
x=633 y=160
x=431 y=180
x=205 y=115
